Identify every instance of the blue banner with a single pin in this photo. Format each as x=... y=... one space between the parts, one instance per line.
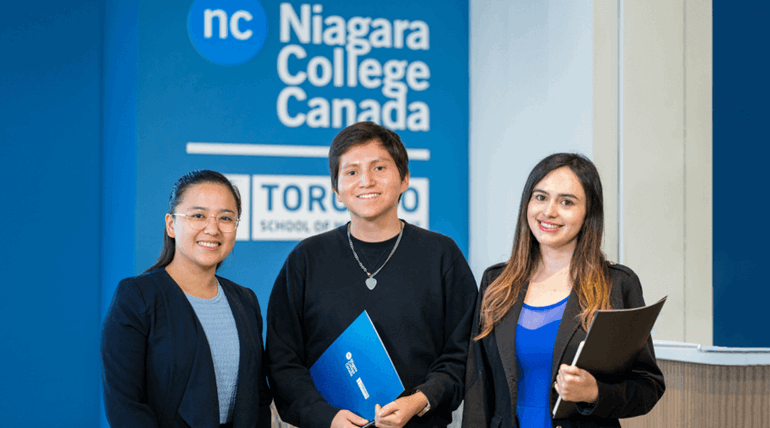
x=258 y=90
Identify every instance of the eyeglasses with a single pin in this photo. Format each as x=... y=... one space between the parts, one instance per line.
x=198 y=221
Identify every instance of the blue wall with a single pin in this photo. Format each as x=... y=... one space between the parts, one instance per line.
x=741 y=154
x=50 y=73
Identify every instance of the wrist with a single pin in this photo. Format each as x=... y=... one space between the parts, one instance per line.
x=594 y=394
x=422 y=403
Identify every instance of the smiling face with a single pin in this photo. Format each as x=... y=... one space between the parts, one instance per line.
x=369 y=183
x=557 y=209
x=202 y=249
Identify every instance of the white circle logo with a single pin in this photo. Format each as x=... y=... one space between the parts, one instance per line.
x=227 y=32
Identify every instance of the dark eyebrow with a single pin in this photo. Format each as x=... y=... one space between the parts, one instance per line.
x=373 y=161
x=561 y=195
x=206 y=209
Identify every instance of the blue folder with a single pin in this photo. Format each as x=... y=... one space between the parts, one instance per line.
x=356 y=372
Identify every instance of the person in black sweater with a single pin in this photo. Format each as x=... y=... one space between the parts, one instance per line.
x=415 y=285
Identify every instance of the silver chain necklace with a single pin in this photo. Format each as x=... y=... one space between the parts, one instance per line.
x=370 y=281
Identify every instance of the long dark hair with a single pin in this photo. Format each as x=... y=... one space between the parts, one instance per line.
x=588 y=268
x=177 y=195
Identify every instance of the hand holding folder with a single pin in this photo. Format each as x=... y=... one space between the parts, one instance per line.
x=399 y=411
x=355 y=373
x=577 y=384
x=612 y=344
x=345 y=418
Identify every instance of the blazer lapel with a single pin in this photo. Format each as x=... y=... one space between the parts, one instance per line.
x=200 y=402
x=244 y=408
x=505 y=336
x=570 y=322
x=199 y=406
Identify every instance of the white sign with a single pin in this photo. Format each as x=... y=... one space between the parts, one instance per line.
x=294 y=207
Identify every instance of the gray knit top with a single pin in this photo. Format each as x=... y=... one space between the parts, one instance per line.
x=219 y=325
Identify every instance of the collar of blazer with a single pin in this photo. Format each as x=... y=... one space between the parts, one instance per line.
x=505 y=334
x=199 y=405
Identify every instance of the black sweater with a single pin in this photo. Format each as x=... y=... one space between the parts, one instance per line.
x=422 y=308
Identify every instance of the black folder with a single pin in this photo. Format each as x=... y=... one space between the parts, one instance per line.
x=614 y=340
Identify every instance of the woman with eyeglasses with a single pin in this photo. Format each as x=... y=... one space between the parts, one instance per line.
x=181 y=346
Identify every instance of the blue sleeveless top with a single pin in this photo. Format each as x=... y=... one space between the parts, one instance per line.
x=535 y=337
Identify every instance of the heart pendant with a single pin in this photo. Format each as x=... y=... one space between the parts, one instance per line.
x=371 y=283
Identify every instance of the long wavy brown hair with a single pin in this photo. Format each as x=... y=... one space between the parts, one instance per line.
x=589 y=271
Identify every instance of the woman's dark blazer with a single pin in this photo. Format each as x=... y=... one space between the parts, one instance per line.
x=490 y=395
x=157 y=369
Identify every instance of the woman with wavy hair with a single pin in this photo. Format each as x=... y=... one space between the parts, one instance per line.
x=536 y=308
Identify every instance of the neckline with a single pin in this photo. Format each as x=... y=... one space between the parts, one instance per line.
x=386 y=243
x=552 y=305
x=212 y=300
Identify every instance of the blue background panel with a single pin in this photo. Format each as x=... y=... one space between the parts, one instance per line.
x=50 y=166
x=183 y=97
x=741 y=153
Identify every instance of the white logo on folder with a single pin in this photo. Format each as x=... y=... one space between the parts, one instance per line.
x=350 y=365
x=363 y=388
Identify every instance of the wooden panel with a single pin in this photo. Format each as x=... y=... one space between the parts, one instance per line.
x=704 y=396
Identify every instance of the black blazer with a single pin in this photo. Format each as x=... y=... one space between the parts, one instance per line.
x=157 y=369
x=491 y=378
